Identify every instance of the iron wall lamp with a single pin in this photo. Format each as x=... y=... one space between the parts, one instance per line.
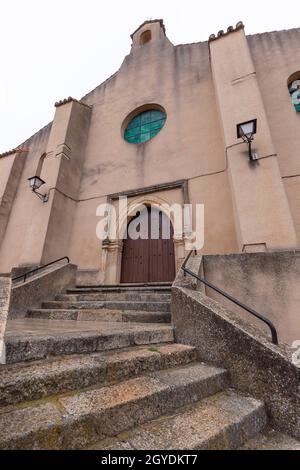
x=35 y=182
x=246 y=131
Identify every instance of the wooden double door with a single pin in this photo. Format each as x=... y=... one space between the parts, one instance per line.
x=149 y=258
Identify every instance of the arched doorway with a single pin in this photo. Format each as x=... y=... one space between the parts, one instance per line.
x=151 y=258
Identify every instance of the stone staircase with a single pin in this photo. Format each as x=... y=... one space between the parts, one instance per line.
x=117 y=382
x=135 y=303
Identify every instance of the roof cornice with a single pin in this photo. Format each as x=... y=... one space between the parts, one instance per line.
x=230 y=29
x=12 y=151
x=70 y=100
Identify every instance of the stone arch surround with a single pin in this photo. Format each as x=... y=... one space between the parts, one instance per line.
x=112 y=248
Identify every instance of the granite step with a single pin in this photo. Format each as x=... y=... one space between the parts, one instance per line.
x=131 y=285
x=45 y=338
x=116 y=289
x=114 y=305
x=111 y=296
x=81 y=419
x=101 y=315
x=36 y=380
x=271 y=439
x=224 y=421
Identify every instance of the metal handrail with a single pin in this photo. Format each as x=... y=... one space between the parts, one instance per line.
x=40 y=268
x=232 y=299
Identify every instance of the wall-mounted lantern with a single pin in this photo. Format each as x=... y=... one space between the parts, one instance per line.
x=35 y=182
x=246 y=131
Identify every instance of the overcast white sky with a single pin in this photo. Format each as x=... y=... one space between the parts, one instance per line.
x=51 y=49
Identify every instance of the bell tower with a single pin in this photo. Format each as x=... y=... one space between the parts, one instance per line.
x=148 y=32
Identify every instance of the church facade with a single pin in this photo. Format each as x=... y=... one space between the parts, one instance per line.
x=163 y=131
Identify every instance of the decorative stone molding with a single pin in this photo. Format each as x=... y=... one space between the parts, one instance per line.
x=183 y=184
x=230 y=29
x=63 y=150
x=69 y=100
x=111 y=260
x=112 y=245
x=112 y=249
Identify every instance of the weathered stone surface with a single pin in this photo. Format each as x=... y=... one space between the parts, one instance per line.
x=34 y=339
x=223 y=421
x=5 y=290
x=119 y=296
x=256 y=366
x=116 y=305
x=34 y=427
x=31 y=381
x=102 y=314
x=136 y=401
x=81 y=419
x=42 y=287
x=88 y=383
x=269 y=282
x=271 y=440
x=117 y=288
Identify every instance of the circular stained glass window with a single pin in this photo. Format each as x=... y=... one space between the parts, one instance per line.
x=145 y=126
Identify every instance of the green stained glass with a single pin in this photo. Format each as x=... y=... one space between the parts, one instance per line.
x=136 y=122
x=145 y=126
x=155 y=115
x=131 y=132
x=153 y=133
x=156 y=124
x=145 y=118
x=134 y=139
x=144 y=137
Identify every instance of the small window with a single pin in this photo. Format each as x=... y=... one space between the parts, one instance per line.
x=294 y=89
x=145 y=126
x=145 y=37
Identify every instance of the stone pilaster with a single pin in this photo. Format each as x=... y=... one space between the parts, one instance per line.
x=179 y=250
x=11 y=167
x=62 y=167
x=259 y=199
x=112 y=260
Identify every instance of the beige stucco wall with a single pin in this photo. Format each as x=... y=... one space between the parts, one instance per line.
x=189 y=146
x=25 y=204
x=276 y=57
x=11 y=167
x=88 y=159
x=259 y=197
